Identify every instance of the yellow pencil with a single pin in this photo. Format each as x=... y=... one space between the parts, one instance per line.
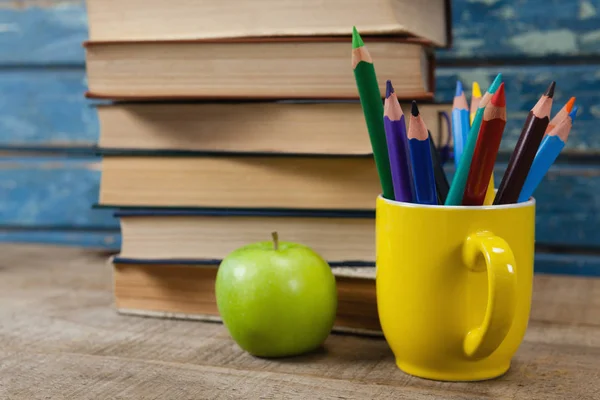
x=475 y=99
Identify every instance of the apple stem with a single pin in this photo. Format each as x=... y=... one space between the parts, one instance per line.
x=275 y=240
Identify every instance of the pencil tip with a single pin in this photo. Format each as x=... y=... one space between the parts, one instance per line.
x=459 y=89
x=476 y=90
x=356 y=39
x=499 y=98
x=414 y=110
x=550 y=91
x=573 y=113
x=569 y=105
x=495 y=84
x=389 y=89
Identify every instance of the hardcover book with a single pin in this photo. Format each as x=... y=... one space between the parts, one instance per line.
x=291 y=127
x=249 y=68
x=187 y=290
x=184 y=19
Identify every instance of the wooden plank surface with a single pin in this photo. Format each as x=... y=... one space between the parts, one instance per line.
x=60 y=338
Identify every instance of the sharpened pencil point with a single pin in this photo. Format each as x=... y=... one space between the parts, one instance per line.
x=569 y=105
x=389 y=89
x=495 y=84
x=356 y=39
x=414 y=110
x=476 y=90
x=573 y=113
x=499 y=99
x=550 y=91
x=459 y=89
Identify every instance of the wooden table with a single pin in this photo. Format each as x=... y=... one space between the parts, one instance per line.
x=61 y=339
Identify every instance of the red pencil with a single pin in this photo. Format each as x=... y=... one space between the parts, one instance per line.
x=486 y=149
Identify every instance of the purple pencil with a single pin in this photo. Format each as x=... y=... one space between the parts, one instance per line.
x=397 y=141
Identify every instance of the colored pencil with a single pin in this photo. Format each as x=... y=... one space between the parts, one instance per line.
x=475 y=99
x=441 y=181
x=445 y=148
x=522 y=157
x=457 y=188
x=397 y=143
x=549 y=150
x=486 y=149
x=490 y=193
x=420 y=157
x=460 y=122
x=560 y=115
x=372 y=105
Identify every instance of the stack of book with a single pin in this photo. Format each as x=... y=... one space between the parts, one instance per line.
x=230 y=120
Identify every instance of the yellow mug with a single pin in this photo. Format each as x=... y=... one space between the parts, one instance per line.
x=454 y=286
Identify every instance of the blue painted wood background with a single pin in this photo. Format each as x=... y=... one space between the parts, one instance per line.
x=46 y=195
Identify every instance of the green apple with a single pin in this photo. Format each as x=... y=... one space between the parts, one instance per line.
x=276 y=299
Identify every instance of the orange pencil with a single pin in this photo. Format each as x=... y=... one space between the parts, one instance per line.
x=562 y=114
x=486 y=149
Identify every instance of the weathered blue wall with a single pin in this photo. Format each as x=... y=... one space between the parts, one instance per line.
x=517 y=29
x=47 y=196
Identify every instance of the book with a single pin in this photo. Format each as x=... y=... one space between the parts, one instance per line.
x=187 y=291
x=184 y=19
x=342 y=238
x=301 y=127
x=240 y=181
x=269 y=68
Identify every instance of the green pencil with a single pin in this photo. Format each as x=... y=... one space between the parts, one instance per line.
x=457 y=187
x=372 y=105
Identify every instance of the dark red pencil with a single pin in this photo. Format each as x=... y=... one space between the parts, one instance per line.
x=525 y=150
x=486 y=149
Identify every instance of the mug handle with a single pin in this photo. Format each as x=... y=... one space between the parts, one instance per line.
x=502 y=292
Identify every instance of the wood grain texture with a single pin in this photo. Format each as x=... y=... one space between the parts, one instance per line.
x=61 y=338
x=46 y=107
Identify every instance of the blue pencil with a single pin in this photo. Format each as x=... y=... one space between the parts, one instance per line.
x=420 y=158
x=549 y=150
x=460 y=122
